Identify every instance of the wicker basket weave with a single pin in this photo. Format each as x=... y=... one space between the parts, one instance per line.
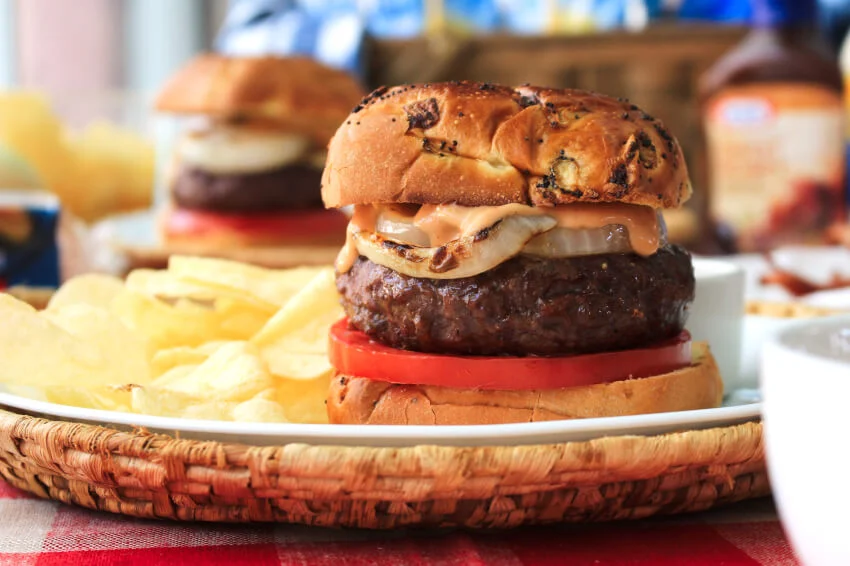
x=157 y=476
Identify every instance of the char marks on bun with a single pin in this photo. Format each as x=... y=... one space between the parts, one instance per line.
x=477 y=144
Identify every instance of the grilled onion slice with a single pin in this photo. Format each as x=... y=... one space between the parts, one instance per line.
x=573 y=242
x=464 y=257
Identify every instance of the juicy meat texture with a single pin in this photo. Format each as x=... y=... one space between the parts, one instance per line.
x=290 y=187
x=526 y=305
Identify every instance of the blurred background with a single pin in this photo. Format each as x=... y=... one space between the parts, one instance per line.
x=79 y=78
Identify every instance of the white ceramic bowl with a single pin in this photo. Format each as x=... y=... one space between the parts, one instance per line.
x=717 y=314
x=758 y=329
x=805 y=378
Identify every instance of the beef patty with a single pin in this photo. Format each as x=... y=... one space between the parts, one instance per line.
x=526 y=305
x=291 y=187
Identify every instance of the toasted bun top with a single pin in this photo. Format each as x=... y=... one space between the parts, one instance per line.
x=479 y=144
x=297 y=93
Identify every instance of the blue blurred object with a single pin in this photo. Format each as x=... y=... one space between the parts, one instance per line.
x=725 y=11
x=408 y=18
x=779 y=12
x=331 y=31
x=834 y=21
x=542 y=16
x=29 y=249
x=753 y=12
x=472 y=15
x=394 y=18
x=526 y=17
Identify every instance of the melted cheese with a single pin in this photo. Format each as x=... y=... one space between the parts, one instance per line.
x=444 y=223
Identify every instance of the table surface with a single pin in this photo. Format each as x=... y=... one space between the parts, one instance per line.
x=35 y=532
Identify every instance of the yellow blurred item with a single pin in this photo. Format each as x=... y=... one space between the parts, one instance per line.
x=203 y=339
x=112 y=172
x=97 y=172
x=15 y=171
x=29 y=128
x=92 y=289
x=77 y=345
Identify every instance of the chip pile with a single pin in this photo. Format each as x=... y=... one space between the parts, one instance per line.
x=202 y=339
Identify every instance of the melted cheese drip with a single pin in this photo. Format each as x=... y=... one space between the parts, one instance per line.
x=362 y=220
x=446 y=222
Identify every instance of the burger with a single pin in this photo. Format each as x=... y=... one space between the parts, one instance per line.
x=506 y=260
x=247 y=171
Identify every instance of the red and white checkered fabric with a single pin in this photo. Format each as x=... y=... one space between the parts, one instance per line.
x=35 y=532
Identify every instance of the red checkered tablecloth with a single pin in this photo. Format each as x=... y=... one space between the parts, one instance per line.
x=35 y=532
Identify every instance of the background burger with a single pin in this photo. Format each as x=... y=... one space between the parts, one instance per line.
x=507 y=260
x=247 y=174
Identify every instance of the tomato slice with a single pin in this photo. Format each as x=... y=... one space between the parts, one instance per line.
x=353 y=353
x=300 y=224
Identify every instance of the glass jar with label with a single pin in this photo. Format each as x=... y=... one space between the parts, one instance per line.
x=773 y=119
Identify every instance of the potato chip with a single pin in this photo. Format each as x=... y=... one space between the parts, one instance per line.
x=185 y=322
x=209 y=411
x=165 y=360
x=108 y=398
x=157 y=399
x=205 y=339
x=304 y=400
x=262 y=408
x=300 y=328
x=10 y=303
x=234 y=372
x=230 y=376
x=177 y=374
x=291 y=365
x=150 y=401
x=124 y=349
x=130 y=350
x=165 y=285
x=92 y=289
x=78 y=344
x=37 y=393
x=274 y=286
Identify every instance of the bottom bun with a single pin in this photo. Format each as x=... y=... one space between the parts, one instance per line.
x=358 y=400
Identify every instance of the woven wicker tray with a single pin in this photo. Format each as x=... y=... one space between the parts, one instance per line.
x=157 y=476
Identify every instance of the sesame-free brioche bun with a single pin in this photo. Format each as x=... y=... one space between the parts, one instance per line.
x=358 y=400
x=478 y=144
x=297 y=93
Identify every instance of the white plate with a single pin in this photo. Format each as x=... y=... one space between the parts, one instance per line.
x=264 y=434
x=138 y=229
x=131 y=229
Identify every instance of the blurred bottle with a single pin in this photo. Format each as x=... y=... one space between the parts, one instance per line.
x=773 y=117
